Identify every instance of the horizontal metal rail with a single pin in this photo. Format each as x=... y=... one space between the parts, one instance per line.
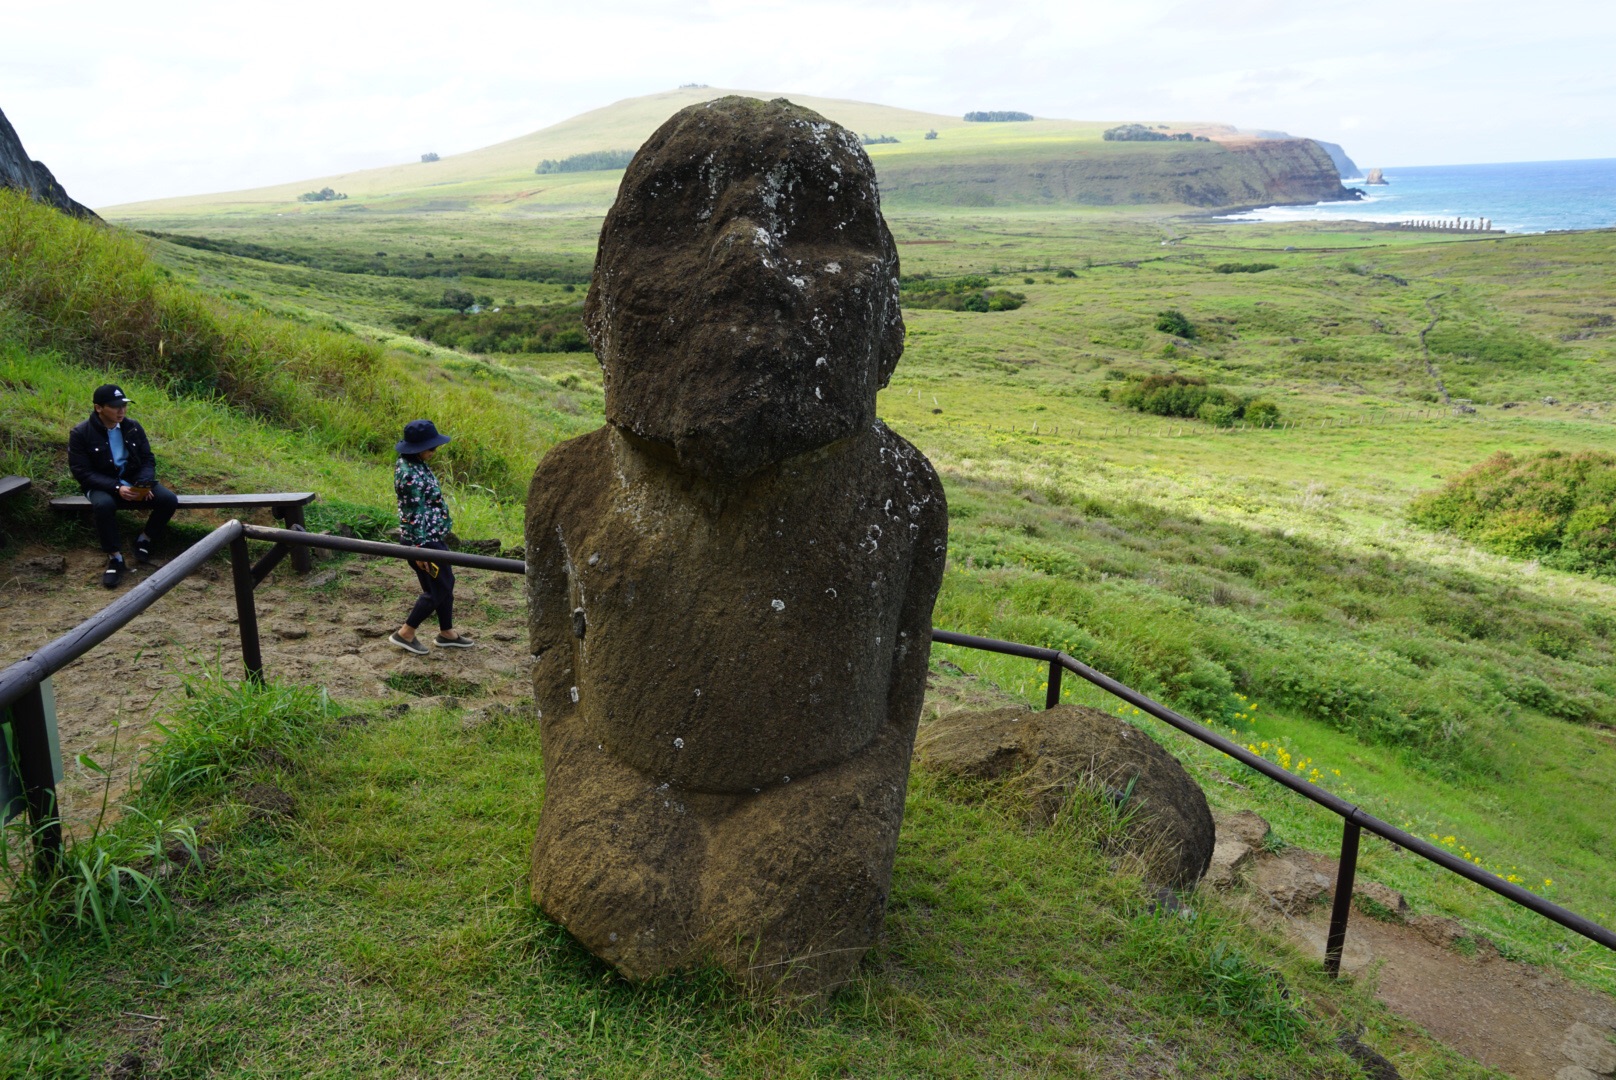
x=391 y=551
x=1352 y=814
x=45 y=661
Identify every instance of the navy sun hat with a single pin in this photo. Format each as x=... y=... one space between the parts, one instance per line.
x=110 y=395
x=419 y=437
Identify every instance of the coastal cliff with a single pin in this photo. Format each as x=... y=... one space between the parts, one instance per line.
x=18 y=171
x=1201 y=174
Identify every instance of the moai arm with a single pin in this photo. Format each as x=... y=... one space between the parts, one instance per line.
x=909 y=664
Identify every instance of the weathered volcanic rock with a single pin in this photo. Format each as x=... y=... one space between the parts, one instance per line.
x=18 y=171
x=730 y=584
x=1055 y=750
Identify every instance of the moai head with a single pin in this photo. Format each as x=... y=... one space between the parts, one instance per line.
x=744 y=305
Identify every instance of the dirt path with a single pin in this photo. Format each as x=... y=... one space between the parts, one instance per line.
x=329 y=629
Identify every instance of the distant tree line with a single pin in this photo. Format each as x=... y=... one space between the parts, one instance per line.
x=325 y=194
x=593 y=161
x=1140 y=133
x=998 y=117
x=876 y=140
x=429 y=156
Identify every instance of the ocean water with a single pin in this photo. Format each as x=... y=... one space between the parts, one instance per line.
x=1519 y=197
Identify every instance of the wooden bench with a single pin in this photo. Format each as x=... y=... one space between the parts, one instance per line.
x=286 y=505
x=11 y=485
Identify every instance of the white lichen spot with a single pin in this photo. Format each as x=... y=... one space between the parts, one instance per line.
x=799 y=282
x=833 y=268
x=575 y=695
x=819 y=395
x=679 y=744
x=822 y=362
x=831 y=593
x=778 y=605
x=612 y=936
x=594 y=559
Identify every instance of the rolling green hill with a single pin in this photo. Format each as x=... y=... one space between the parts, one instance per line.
x=1030 y=163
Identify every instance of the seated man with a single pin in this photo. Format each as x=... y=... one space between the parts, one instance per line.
x=111 y=458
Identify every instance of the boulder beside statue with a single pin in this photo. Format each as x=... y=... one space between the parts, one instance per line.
x=730 y=584
x=1168 y=826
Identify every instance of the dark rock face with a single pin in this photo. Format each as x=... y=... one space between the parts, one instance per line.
x=731 y=584
x=745 y=298
x=17 y=171
x=1172 y=830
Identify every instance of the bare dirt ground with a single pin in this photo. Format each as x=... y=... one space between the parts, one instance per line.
x=329 y=628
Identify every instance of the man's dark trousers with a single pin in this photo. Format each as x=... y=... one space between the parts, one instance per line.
x=106 y=504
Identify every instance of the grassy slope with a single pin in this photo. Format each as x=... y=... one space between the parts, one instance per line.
x=1170 y=529
x=384 y=931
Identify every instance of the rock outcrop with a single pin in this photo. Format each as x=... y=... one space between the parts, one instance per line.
x=730 y=584
x=1170 y=827
x=1376 y=177
x=18 y=171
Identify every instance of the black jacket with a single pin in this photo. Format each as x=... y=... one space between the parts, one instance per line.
x=89 y=455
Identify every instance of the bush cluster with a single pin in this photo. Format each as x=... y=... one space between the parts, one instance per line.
x=996 y=117
x=1243 y=268
x=593 y=161
x=325 y=194
x=1554 y=506
x=876 y=140
x=521 y=329
x=967 y=293
x=1191 y=398
x=1172 y=321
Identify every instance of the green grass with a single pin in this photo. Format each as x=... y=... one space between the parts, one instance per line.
x=384 y=930
x=1268 y=581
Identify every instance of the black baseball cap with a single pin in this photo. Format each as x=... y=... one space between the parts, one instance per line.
x=110 y=395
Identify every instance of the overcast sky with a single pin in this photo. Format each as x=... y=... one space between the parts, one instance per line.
x=134 y=101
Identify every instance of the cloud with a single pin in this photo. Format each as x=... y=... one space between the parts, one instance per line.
x=175 y=96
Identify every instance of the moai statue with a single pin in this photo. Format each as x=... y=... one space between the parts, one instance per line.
x=730 y=584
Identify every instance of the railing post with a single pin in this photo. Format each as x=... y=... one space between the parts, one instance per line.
x=37 y=772
x=1052 y=698
x=246 y=610
x=1341 y=910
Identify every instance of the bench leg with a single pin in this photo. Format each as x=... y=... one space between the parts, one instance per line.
x=293 y=515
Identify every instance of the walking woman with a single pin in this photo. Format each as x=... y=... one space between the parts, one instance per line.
x=423 y=520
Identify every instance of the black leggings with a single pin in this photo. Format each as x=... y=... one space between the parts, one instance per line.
x=437 y=593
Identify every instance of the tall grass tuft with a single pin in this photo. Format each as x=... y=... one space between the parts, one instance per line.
x=220 y=727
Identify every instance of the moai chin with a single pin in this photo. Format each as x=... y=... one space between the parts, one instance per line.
x=730 y=584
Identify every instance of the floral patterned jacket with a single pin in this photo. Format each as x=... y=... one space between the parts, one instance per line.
x=423 y=517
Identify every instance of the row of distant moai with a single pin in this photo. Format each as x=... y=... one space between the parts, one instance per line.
x=1457 y=224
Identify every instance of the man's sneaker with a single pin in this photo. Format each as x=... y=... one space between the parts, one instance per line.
x=115 y=571
x=408 y=646
x=143 y=546
x=461 y=642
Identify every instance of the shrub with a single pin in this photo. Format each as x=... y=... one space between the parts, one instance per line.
x=1066 y=273
x=1243 y=268
x=1172 y=321
x=325 y=194
x=1262 y=412
x=457 y=299
x=876 y=140
x=1217 y=414
x=524 y=329
x=1555 y=506
x=1171 y=395
x=967 y=293
x=931 y=134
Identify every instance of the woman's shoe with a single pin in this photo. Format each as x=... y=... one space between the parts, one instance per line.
x=408 y=646
x=461 y=642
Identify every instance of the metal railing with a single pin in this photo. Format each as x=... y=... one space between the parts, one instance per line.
x=1354 y=819
x=20 y=689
